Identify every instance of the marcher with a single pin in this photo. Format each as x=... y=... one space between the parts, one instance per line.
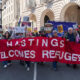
x=17 y=36
x=78 y=36
x=27 y=35
x=78 y=30
x=55 y=34
x=75 y=33
x=71 y=37
x=42 y=34
x=7 y=36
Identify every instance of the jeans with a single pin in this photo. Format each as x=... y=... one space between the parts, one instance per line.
x=54 y=64
x=4 y=62
x=28 y=63
x=9 y=61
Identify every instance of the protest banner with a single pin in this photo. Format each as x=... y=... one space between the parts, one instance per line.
x=48 y=27
x=26 y=24
x=40 y=49
x=19 y=29
x=29 y=29
x=65 y=25
x=60 y=28
x=35 y=30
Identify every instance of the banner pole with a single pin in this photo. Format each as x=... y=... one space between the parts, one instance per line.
x=35 y=71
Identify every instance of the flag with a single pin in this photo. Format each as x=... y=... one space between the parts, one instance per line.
x=19 y=22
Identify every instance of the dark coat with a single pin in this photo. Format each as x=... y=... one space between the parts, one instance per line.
x=71 y=37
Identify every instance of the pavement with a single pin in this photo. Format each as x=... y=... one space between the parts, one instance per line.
x=44 y=72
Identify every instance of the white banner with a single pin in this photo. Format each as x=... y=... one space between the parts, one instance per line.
x=19 y=29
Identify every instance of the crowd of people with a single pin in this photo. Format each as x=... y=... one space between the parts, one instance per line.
x=71 y=35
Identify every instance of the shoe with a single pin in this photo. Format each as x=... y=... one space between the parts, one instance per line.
x=68 y=65
x=26 y=66
x=9 y=64
x=5 y=66
x=55 y=69
x=74 y=66
x=28 y=69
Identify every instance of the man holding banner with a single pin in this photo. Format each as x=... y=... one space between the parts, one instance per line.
x=55 y=35
x=70 y=37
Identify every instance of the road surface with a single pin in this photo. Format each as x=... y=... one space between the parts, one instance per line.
x=44 y=72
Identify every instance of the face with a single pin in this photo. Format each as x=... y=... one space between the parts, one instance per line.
x=42 y=32
x=21 y=34
x=74 y=31
x=49 y=36
x=7 y=34
x=27 y=35
x=70 y=31
x=55 y=34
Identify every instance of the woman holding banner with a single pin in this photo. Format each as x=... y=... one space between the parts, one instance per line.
x=55 y=34
x=7 y=36
x=27 y=35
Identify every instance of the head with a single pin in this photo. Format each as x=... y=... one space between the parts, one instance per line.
x=39 y=32
x=27 y=35
x=43 y=32
x=7 y=34
x=49 y=35
x=21 y=34
x=55 y=34
x=74 y=31
x=70 y=30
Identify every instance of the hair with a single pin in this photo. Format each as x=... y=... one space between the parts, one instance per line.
x=8 y=34
x=54 y=31
x=70 y=28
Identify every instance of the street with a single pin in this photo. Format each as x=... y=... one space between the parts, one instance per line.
x=44 y=72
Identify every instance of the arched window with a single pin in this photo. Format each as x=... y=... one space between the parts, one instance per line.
x=46 y=19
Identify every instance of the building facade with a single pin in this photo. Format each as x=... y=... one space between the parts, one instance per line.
x=40 y=11
x=10 y=13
